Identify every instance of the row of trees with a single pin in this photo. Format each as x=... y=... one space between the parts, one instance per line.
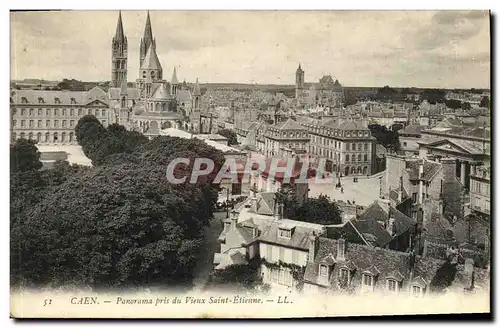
x=118 y=223
x=388 y=138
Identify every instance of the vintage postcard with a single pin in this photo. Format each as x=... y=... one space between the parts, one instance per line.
x=249 y=164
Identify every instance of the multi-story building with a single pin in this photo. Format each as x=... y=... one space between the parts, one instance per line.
x=284 y=136
x=336 y=266
x=347 y=145
x=50 y=117
x=480 y=192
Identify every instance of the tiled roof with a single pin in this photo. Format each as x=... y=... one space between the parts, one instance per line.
x=64 y=97
x=412 y=130
x=349 y=125
x=289 y=124
x=184 y=96
x=299 y=239
x=372 y=221
x=114 y=93
x=361 y=257
x=430 y=169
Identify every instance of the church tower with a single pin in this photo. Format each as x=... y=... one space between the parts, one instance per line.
x=196 y=97
x=119 y=56
x=174 y=84
x=299 y=82
x=147 y=40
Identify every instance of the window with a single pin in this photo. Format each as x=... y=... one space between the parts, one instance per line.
x=353 y=146
x=56 y=123
x=284 y=233
x=405 y=144
x=323 y=270
x=47 y=111
x=71 y=112
x=64 y=112
x=23 y=112
x=281 y=254
x=392 y=285
x=46 y=137
x=366 y=146
x=414 y=197
x=63 y=123
x=416 y=291
x=365 y=158
x=103 y=112
x=347 y=146
x=57 y=100
x=72 y=123
x=269 y=255
x=47 y=123
x=14 y=124
x=73 y=101
x=31 y=123
x=56 y=137
x=40 y=112
x=56 y=112
x=40 y=100
x=32 y=111
x=24 y=100
x=79 y=112
x=39 y=123
x=344 y=275
x=367 y=281
x=347 y=157
x=359 y=157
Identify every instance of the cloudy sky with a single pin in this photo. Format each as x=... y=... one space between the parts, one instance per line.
x=360 y=48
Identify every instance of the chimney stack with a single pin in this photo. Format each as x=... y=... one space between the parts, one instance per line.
x=469 y=273
x=313 y=247
x=341 y=249
x=391 y=227
x=253 y=203
x=441 y=207
x=234 y=220
x=449 y=166
x=421 y=169
x=400 y=193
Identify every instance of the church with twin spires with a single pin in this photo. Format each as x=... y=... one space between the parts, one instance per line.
x=153 y=101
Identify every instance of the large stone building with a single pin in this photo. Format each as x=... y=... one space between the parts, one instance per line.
x=51 y=116
x=347 y=145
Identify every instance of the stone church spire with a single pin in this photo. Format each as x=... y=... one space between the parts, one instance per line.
x=119 y=48
x=147 y=40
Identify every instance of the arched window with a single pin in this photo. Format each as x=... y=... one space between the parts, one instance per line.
x=359 y=169
x=71 y=135
x=30 y=136
x=39 y=137
x=157 y=107
x=392 y=286
x=24 y=100
x=365 y=170
x=353 y=170
x=56 y=137
x=13 y=136
x=144 y=74
x=152 y=74
x=22 y=135
x=347 y=157
x=346 y=170
x=63 y=137
x=47 y=137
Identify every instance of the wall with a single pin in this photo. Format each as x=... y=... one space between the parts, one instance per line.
x=291 y=256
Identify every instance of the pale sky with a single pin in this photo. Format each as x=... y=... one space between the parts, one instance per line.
x=448 y=49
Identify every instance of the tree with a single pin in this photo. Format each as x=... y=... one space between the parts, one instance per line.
x=385 y=137
x=466 y=105
x=89 y=132
x=485 y=102
x=285 y=198
x=453 y=103
x=240 y=276
x=319 y=210
x=24 y=156
x=117 y=224
x=230 y=135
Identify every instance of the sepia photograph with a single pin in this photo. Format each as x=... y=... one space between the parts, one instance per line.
x=250 y=164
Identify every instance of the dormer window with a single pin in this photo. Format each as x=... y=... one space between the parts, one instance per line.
x=416 y=291
x=24 y=100
x=57 y=100
x=73 y=101
x=392 y=286
x=40 y=100
x=323 y=270
x=285 y=233
x=344 y=276
x=368 y=281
